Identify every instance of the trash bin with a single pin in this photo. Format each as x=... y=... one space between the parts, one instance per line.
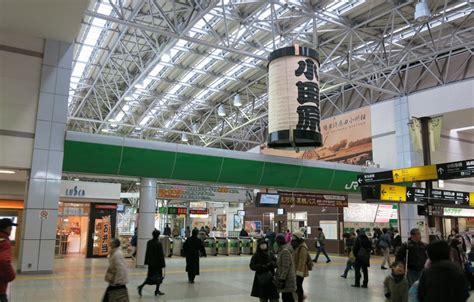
x=178 y=246
x=246 y=244
x=166 y=243
x=210 y=246
x=234 y=246
x=222 y=246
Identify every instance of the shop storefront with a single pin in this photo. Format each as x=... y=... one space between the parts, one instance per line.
x=87 y=215
x=13 y=209
x=462 y=219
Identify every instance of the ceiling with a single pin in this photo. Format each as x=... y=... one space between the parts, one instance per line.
x=20 y=175
x=51 y=19
x=459 y=119
x=169 y=70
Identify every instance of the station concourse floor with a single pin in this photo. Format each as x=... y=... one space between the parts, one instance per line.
x=222 y=279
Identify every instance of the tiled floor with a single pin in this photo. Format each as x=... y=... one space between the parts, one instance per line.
x=222 y=279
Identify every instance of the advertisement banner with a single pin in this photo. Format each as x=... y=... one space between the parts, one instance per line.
x=105 y=236
x=312 y=199
x=225 y=194
x=347 y=139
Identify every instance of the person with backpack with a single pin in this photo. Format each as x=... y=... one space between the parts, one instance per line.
x=413 y=254
x=384 y=244
x=155 y=259
x=303 y=263
x=361 y=250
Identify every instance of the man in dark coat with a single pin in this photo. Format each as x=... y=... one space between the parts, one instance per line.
x=192 y=249
x=443 y=281
x=361 y=251
x=416 y=251
x=155 y=259
x=264 y=263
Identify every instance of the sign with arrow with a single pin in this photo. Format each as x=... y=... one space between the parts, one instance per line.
x=393 y=193
x=459 y=169
x=375 y=178
x=415 y=174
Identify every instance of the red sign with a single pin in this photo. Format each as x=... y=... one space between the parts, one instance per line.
x=106 y=206
x=198 y=212
x=312 y=199
x=44 y=214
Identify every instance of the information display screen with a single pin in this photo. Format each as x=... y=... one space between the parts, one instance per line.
x=268 y=200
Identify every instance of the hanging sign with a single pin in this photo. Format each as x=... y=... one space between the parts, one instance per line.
x=312 y=199
x=173 y=210
x=203 y=193
x=458 y=169
x=293 y=98
x=393 y=193
x=414 y=174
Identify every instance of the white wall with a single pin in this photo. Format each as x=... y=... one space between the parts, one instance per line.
x=19 y=90
x=12 y=190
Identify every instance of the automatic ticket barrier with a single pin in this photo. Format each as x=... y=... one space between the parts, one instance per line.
x=166 y=243
x=222 y=246
x=178 y=246
x=246 y=245
x=210 y=246
x=234 y=246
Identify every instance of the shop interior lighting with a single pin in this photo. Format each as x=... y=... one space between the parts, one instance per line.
x=237 y=100
x=422 y=11
x=7 y=172
x=221 y=111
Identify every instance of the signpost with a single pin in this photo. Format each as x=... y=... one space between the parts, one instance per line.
x=311 y=199
x=459 y=169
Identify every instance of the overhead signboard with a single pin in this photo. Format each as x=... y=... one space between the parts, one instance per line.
x=453 y=170
x=459 y=169
x=417 y=195
x=198 y=212
x=173 y=210
x=203 y=193
x=415 y=174
x=82 y=190
x=312 y=199
x=393 y=193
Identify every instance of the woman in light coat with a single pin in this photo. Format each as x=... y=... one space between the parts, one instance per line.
x=285 y=276
x=116 y=276
x=303 y=263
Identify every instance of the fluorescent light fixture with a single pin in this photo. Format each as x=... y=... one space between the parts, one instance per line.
x=463 y=129
x=138 y=128
x=221 y=111
x=137 y=183
x=440 y=183
x=237 y=100
x=195 y=128
x=76 y=179
x=184 y=138
x=105 y=130
x=166 y=58
x=7 y=172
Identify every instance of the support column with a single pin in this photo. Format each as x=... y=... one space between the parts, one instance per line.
x=42 y=197
x=146 y=218
x=407 y=156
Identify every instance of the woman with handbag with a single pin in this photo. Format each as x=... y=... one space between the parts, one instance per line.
x=116 y=276
x=155 y=259
x=361 y=251
x=264 y=263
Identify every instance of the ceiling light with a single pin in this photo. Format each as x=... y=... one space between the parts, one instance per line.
x=221 y=111
x=128 y=98
x=463 y=129
x=165 y=58
x=76 y=179
x=105 y=130
x=195 y=128
x=7 y=172
x=184 y=138
x=137 y=183
x=237 y=100
x=138 y=128
x=422 y=11
x=112 y=120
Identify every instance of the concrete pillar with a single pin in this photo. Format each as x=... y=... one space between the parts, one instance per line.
x=42 y=197
x=146 y=218
x=407 y=156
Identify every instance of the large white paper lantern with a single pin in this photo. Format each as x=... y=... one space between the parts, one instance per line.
x=293 y=98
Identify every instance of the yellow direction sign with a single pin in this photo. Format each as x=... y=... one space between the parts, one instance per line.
x=393 y=193
x=415 y=174
x=471 y=199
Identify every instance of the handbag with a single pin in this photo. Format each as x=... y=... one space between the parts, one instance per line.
x=157 y=278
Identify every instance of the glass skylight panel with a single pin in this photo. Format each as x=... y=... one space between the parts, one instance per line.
x=174 y=89
x=156 y=70
x=188 y=76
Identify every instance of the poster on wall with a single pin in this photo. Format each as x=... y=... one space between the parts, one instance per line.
x=237 y=222
x=221 y=222
x=203 y=193
x=104 y=236
x=253 y=226
x=347 y=139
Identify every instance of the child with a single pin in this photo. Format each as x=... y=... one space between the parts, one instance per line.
x=396 y=285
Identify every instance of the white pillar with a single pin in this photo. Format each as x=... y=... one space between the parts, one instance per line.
x=146 y=218
x=407 y=156
x=42 y=197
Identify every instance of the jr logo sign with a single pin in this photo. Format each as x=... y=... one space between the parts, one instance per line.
x=352 y=186
x=75 y=192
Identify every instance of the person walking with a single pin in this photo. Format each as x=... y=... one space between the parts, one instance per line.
x=350 y=238
x=303 y=263
x=116 y=276
x=385 y=244
x=155 y=259
x=7 y=273
x=270 y=237
x=362 y=247
x=167 y=230
x=396 y=242
x=193 y=247
x=264 y=263
x=285 y=276
x=320 y=246
x=443 y=281
x=415 y=250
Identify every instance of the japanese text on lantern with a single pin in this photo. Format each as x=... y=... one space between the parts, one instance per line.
x=308 y=96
